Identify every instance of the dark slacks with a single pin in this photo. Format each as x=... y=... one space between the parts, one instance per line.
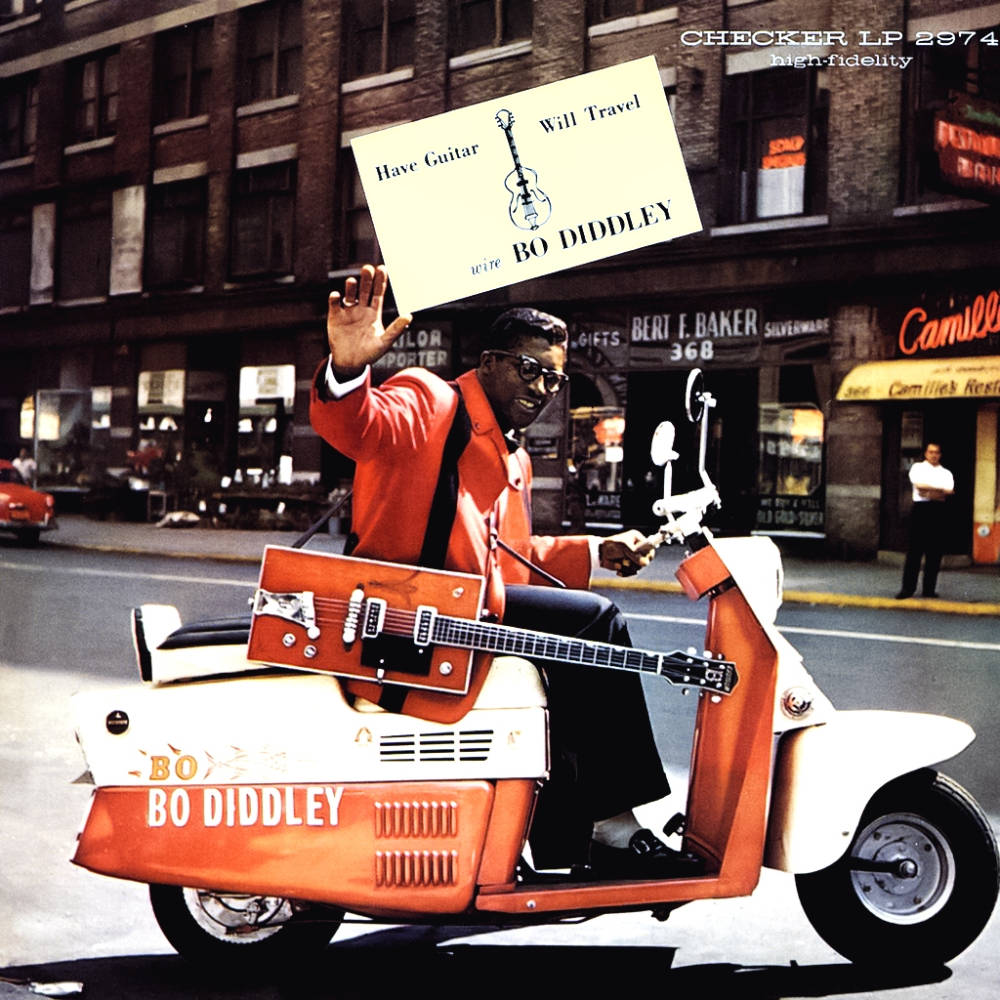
x=604 y=757
x=927 y=527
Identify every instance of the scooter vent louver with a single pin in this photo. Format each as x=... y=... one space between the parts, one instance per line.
x=409 y=868
x=416 y=819
x=463 y=745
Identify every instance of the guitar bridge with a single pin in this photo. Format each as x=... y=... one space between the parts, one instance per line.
x=297 y=608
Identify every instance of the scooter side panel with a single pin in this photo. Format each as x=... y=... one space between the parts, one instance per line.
x=375 y=848
x=298 y=729
x=731 y=755
x=825 y=775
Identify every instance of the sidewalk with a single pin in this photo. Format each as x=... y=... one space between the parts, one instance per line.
x=967 y=590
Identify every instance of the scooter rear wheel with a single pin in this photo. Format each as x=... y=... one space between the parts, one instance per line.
x=918 y=883
x=240 y=931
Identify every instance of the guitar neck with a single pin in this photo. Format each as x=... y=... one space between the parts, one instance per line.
x=676 y=667
x=513 y=150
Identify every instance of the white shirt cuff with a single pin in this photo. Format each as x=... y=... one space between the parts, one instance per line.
x=340 y=389
x=595 y=545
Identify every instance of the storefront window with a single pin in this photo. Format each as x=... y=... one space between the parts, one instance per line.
x=264 y=448
x=594 y=480
x=63 y=437
x=774 y=150
x=790 y=468
x=161 y=426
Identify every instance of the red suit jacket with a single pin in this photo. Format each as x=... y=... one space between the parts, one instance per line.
x=396 y=435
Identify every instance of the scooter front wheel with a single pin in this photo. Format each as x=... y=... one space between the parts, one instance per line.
x=240 y=931
x=918 y=883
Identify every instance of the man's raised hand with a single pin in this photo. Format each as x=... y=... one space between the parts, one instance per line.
x=354 y=323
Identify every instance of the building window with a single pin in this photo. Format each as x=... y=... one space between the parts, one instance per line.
x=183 y=72
x=610 y=10
x=175 y=250
x=15 y=254
x=360 y=244
x=957 y=84
x=84 y=256
x=11 y=10
x=380 y=36
x=270 y=51
x=93 y=97
x=485 y=24
x=773 y=148
x=263 y=219
x=19 y=107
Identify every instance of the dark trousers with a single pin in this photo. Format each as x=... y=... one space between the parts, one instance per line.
x=927 y=525
x=604 y=759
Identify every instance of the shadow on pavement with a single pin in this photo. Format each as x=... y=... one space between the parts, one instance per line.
x=400 y=961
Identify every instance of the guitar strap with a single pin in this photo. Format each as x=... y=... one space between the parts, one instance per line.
x=445 y=501
x=440 y=520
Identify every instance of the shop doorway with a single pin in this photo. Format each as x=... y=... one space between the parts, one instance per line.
x=951 y=424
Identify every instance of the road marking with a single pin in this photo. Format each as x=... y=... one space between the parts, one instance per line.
x=128 y=575
x=667 y=619
x=839 y=634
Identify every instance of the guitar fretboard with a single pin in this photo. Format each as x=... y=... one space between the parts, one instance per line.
x=522 y=642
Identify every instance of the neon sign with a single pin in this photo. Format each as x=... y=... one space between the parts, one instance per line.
x=968 y=145
x=788 y=151
x=978 y=320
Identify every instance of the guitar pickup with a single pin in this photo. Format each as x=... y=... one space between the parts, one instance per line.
x=374 y=618
x=423 y=626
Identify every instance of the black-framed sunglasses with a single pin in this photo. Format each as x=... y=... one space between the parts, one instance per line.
x=530 y=368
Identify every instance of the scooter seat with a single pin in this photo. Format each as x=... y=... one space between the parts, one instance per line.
x=213 y=632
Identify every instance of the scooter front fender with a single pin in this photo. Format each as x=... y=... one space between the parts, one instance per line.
x=825 y=775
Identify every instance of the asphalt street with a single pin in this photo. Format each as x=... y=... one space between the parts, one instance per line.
x=64 y=626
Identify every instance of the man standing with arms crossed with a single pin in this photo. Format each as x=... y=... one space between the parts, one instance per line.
x=440 y=482
x=932 y=484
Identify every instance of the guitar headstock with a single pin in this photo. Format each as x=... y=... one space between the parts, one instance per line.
x=505 y=119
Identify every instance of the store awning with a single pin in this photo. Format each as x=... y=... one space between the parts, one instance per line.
x=922 y=380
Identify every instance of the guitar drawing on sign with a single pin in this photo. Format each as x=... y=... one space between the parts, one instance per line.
x=529 y=205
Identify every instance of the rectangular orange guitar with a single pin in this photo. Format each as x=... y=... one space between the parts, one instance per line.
x=397 y=624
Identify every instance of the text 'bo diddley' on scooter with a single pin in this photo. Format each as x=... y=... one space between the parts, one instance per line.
x=261 y=806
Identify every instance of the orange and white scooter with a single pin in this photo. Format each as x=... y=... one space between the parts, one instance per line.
x=261 y=804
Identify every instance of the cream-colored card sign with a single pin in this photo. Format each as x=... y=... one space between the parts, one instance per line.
x=527 y=184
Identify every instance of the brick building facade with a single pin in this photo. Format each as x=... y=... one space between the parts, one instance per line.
x=177 y=194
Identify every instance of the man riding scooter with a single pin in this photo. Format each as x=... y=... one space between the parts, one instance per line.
x=440 y=482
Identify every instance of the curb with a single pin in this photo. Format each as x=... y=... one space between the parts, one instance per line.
x=822 y=597
x=792 y=596
x=135 y=550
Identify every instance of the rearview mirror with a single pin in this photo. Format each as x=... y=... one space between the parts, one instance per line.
x=661 y=449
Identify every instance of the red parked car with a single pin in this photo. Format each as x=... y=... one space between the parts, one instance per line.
x=24 y=511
